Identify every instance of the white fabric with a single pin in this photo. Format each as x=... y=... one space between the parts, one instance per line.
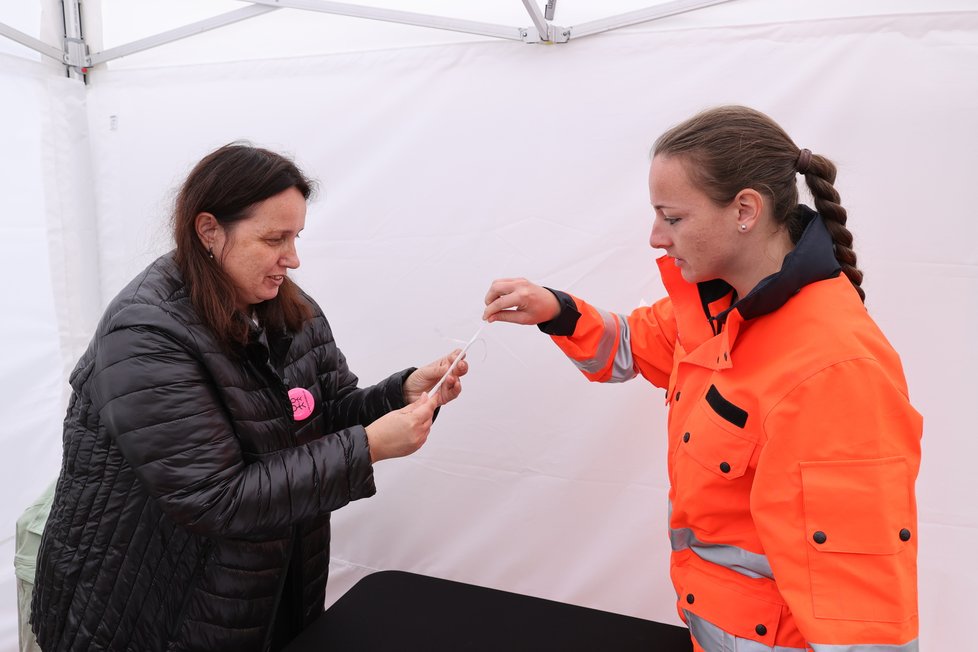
x=443 y=167
x=44 y=290
x=292 y=33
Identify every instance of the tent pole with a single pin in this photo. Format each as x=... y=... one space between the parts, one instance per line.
x=179 y=33
x=31 y=42
x=641 y=16
x=75 y=48
x=543 y=27
x=403 y=17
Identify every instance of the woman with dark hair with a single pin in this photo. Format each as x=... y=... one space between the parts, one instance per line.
x=793 y=448
x=213 y=427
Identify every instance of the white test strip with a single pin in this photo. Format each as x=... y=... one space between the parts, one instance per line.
x=465 y=348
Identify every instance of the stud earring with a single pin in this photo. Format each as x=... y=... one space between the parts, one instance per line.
x=743 y=227
x=210 y=253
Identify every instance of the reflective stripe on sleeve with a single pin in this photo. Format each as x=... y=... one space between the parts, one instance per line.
x=736 y=559
x=912 y=646
x=713 y=639
x=623 y=367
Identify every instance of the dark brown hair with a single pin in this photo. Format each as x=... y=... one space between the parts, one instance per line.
x=730 y=148
x=228 y=183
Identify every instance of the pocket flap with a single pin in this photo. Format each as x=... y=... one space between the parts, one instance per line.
x=857 y=506
x=734 y=609
x=718 y=445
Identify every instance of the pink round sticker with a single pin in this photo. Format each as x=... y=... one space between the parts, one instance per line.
x=302 y=403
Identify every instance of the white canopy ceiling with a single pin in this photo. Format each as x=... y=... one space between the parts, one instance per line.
x=114 y=29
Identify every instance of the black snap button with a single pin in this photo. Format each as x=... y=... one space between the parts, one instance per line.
x=677 y=395
x=718 y=359
x=819 y=537
x=904 y=534
x=724 y=467
x=725 y=355
x=761 y=630
x=690 y=598
x=686 y=437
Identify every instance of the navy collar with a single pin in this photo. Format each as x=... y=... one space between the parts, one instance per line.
x=812 y=260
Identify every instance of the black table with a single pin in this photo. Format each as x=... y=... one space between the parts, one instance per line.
x=395 y=610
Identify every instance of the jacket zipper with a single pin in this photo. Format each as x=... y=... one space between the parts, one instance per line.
x=269 y=372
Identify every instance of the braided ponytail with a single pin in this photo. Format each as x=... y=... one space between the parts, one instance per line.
x=819 y=175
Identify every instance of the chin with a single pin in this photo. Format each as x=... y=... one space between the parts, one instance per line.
x=267 y=296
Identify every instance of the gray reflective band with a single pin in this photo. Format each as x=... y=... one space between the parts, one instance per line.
x=713 y=639
x=623 y=367
x=912 y=646
x=736 y=559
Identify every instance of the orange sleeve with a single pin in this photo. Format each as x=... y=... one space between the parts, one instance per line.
x=833 y=503
x=609 y=347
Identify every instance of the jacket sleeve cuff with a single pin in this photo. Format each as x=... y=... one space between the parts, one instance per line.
x=564 y=323
x=360 y=471
x=395 y=388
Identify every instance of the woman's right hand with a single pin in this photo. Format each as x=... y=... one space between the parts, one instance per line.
x=401 y=432
x=519 y=301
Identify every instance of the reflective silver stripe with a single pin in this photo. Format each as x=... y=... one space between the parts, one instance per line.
x=623 y=367
x=713 y=639
x=736 y=559
x=912 y=646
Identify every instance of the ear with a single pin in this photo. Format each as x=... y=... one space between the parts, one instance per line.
x=749 y=205
x=208 y=230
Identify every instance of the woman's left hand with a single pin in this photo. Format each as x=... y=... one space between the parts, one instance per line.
x=424 y=378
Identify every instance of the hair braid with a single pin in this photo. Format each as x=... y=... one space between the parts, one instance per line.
x=820 y=176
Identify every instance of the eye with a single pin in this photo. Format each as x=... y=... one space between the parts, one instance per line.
x=671 y=221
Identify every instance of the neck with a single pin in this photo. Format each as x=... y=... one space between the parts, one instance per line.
x=761 y=262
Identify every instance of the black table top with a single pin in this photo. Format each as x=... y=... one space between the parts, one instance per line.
x=396 y=610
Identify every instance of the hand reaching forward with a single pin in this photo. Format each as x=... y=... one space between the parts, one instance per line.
x=519 y=301
x=401 y=432
x=424 y=378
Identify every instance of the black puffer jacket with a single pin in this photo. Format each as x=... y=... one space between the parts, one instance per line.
x=192 y=511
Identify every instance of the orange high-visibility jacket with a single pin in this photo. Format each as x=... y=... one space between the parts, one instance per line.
x=793 y=451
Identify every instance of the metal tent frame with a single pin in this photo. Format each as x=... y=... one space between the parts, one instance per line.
x=78 y=60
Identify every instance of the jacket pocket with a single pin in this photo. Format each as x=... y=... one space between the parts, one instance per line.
x=716 y=444
x=746 y=609
x=861 y=529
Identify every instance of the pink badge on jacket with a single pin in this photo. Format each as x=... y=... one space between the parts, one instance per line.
x=302 y=403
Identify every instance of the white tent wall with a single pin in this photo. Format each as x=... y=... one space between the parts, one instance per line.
x=445 y=166
x=47 y=244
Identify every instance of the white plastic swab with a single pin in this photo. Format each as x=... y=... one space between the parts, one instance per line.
x=434 y=390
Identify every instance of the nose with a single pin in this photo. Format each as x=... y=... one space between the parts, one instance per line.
x=658 y=238
x=290 y=258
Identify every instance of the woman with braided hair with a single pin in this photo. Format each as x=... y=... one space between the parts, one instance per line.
x=793 y=447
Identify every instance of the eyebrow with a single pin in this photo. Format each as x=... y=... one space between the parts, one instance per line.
x=280 y=232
